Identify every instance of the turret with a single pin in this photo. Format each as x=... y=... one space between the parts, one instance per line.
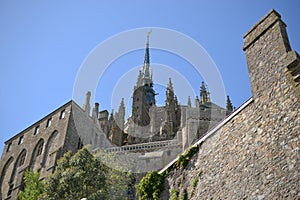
x=229 y=107
x=87 y=107
x=204 y=94
x=189 y=103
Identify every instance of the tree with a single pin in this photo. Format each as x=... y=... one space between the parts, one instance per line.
x=77 y=176
x=33 y=186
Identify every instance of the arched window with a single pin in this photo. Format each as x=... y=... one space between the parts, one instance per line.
x=22 y=159
x=36 y=159
x=40 y=148
x=5 y=177
x=50 y=150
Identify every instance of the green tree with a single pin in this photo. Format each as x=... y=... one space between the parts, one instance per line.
x=34 y=187
x=77 y=176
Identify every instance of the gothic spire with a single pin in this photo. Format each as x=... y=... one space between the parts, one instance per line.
x=204 y=94
x=147 y=77
x=229 y=107
x=170 y=85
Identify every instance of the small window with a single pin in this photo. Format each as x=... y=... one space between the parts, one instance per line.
x=80 y=144
x=49 y=122
x=36 y=130
x=21 y=139
x=22 y=159
x=62 y=114
x=8 y=147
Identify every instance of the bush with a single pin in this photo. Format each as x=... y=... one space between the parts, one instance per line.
x=151 y=186
x=175 y=194
x=184 y=159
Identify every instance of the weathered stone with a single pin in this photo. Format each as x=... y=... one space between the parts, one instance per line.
x=267 y=164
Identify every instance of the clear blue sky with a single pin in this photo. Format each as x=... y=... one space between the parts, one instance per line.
x=43 y=44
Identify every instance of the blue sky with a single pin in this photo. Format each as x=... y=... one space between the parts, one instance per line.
x=44 y=43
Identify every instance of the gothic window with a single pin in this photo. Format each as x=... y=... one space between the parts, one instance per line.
x=22 y=159
x=49 y=122
x=21 y=139
x=40 y=148
x=62 y=114
x=8 y=147
x=50 y=148
x=36 y=130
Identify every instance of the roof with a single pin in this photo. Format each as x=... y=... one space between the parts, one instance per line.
x=39 y=121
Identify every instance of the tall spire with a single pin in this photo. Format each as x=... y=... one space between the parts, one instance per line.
x=147 y=77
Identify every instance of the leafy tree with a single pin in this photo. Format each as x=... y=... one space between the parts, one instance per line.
x=33 y=186
x=77 y=176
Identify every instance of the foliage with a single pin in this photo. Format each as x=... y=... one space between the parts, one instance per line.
x=82 y=175
x=195 y=182
x=184 y=195
x=76 y=177
x=151 y=186
x=184 y=159
x=175 y=194
x=34 y=187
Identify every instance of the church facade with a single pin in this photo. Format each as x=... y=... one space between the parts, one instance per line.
x=152 y=134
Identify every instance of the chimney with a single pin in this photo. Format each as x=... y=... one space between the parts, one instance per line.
x=87 y=106
x=268 y=55
x=95 y=111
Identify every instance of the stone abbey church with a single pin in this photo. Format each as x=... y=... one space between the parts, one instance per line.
x=154 y=135
x=253 y=153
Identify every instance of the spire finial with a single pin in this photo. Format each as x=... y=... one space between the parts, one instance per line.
x=229 y=107
x=203 y=94
x=148 y=35
x=170 y=85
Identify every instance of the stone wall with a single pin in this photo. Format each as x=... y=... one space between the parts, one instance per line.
x=255 y=153
x=37 y=147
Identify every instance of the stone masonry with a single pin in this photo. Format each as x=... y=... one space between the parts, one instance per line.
x=255 y=153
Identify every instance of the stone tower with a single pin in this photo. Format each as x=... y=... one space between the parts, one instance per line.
x=144 y=94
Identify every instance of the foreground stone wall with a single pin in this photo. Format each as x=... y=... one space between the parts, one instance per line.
x=255 y=154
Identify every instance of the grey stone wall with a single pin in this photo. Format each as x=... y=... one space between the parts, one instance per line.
x=50 y=138
x=256 y=154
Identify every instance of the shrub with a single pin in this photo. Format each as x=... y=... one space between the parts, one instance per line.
x=175 y=194
x=151 y=186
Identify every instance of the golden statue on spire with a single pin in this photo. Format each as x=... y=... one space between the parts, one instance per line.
x=148 y=34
